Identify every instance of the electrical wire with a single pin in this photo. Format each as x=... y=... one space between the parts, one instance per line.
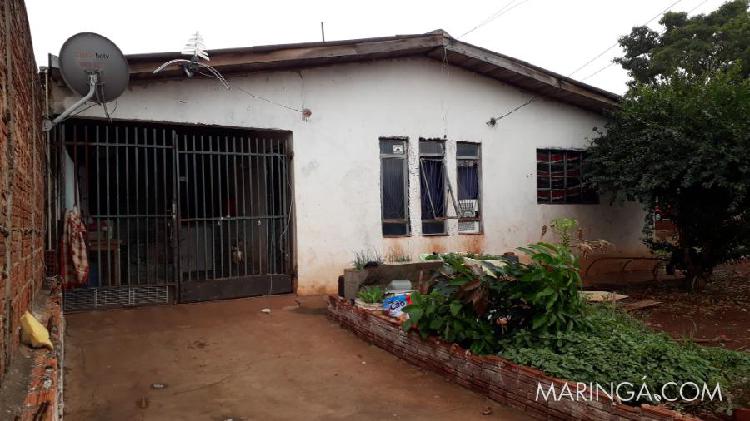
x=675 y=3
x=493 y=121
x=258 y=97
x=610 y=64
x=503 y=10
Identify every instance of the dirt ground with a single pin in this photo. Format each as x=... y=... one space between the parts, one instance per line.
x=717 y=316
x=228 y=360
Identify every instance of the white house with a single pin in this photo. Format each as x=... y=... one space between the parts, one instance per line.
x=322 y=150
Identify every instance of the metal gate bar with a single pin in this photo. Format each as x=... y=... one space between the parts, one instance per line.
x=205 y=210
x=123 y=185
x=233 y=209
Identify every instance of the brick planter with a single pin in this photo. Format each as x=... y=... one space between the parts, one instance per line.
x=499 y=379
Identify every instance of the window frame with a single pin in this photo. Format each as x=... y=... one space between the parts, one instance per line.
x=433 y=156
x=471 y=158
x=583 y=191
x=404 y=157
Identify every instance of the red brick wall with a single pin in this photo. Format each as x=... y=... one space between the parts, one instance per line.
x=22 y=169
x=501 y=380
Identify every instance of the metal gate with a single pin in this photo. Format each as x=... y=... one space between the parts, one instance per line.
x=235 y=207
x=177 y=211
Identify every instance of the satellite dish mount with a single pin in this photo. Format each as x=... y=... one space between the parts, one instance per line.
x=92 y=66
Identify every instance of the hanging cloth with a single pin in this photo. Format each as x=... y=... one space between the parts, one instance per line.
x=75 y=264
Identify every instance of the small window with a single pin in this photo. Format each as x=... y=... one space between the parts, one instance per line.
x=560 y=177
x=432 y=186
x=468 y=176
x=394 y=182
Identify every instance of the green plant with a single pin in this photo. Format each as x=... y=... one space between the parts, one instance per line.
x=451 y=320
x=680 y=145
x=371 y=294
x=617 y=348
x=694 y=45
x=482 y=256
x=363 y=257
x=563 y=227
x=478 y=311
x=548 y=287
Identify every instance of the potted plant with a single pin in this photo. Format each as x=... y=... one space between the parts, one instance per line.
x=370 y=297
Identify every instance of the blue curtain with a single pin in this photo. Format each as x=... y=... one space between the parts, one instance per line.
x=468 y=182
x=431 y=182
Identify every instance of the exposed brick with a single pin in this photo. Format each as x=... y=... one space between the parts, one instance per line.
x=22 y=169
x=499 y=379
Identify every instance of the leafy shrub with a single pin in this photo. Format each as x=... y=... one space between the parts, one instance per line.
x=477 y=311
x=371 y=294
x=618 y=348
x=437 y=314
x=548 y=286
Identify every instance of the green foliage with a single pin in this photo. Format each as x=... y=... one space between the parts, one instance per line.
x=482 y=256
x=371 y=294
x=363 y=257
x=479 y=312
x=618 y=348
x=683 y=145
x=440 y=315
x=695 y=46
x=563 y=227
x=549 y=287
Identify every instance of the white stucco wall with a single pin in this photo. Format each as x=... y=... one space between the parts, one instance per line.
x=336 y=157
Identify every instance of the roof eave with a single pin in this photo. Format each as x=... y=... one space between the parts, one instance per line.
x=437 y=45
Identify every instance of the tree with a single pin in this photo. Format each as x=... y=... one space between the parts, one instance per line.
x=684 y=143
x=695 y=46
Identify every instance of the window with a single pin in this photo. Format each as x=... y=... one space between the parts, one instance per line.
x=432 y=186
x=559 y=177
x=468 y=176
x=394 y=182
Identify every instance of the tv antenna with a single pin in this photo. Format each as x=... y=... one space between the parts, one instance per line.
x=197 y=50
x=94 y=67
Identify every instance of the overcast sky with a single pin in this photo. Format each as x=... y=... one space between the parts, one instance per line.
x=554 y=34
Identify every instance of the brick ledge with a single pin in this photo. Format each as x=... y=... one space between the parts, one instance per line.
x=44 y=396
x=499 y=379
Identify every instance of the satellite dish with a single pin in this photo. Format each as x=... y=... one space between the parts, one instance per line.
x=86 y=53
x=95 y=68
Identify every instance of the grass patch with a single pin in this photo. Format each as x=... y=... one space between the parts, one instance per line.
x=618 y=348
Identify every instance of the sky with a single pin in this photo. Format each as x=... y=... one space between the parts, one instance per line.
x=557 y=35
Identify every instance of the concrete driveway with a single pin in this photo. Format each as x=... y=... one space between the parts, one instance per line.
x=228 y=360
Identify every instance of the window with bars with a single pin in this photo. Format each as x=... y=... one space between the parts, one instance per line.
x=560 y=177
x=468 y=177
x=432 y=180
x=394 y=182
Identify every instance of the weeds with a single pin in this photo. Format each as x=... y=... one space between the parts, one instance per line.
x=363 y=257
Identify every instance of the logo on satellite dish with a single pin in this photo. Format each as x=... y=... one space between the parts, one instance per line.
x=93 y=54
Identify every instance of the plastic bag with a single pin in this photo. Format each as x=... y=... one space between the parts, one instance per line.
x=33 y=333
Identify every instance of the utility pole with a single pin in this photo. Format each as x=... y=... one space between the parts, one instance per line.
x=322 y=32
